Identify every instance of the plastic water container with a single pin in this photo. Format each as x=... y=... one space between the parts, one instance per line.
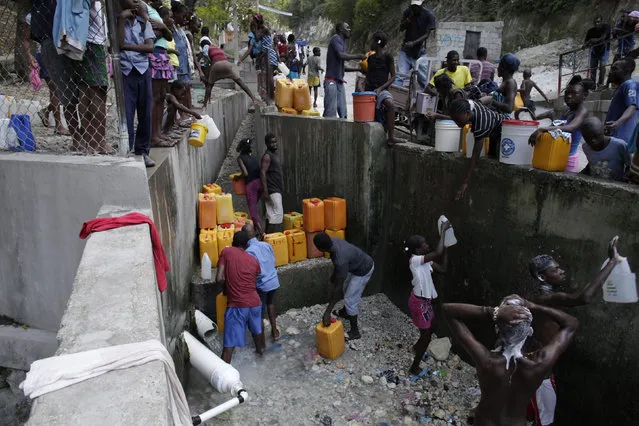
x=313 y=210
x=364 y=106
x=293 y=220
x=289 y=111
x=205 y=272
x=212 y=188
x=311 y=113
x=341 y=234
x=224 y=208
x=551 y=153
x=621 y=285
x=225 y=235
x=239 y=184
x=330 y=340
x=221 y=302
x=208 y=245
x=447 y=135
x=335 y=213
x=296 y=242
x=284 y=93
x=519 y=102
x=278 y=241
x=449 y=238
x=514 y=147
x=7 y=106
x=426 y=103
x=197 y=137
x=468 y=142
x=301 y=95
x=206 y=211
x=311 y=251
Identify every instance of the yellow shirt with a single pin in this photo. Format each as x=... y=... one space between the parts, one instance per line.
x=175 y=61
x=461 y=77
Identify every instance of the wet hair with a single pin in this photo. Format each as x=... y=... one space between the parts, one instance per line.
x=482 y=52
x=323 y=242
x=510 y=63
x=413 y=243
x=443 y=82
x=458 y=106
x=178 y=85
x=380 y=38
x=268 y=138
x=452 y=53
x=539 y=264
x=240 y=239
x=205 y=31
x=244 y=145
x=291 y=38
x=317 y=51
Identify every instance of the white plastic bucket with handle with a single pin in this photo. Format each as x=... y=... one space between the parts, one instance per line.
x=621 y=285
x=514 y=147
x=447 y=135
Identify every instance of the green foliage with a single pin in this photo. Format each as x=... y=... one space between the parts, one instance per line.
x=220 y=12
x=341 y=10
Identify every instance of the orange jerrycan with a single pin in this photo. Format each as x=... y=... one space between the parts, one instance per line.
x=341 y=234
x=208 y=245
x=296 y=241
x=330 y=340
x=224 y=208
x=293 y=220
x=239 y=185
x=212 y=188
x=551 y=153
x=225 y=235
x=335 y=213
x=313 y=209
x=301 y=95
x=221 y=302
x=284 y=93
x=277 y=240
x=312 y=251
x=206 y=211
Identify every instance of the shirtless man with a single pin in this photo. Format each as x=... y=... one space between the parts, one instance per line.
x=526 y=88
x=549 y=273
x=507 y=378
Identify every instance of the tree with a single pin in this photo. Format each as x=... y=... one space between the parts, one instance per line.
x=220 y=12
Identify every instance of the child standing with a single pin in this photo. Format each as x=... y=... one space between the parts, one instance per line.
x=136 y=43
x=167 y=17
x=422 y=263
x=293 y=64
x=314 y=69
x=608 y=156
x=526 y=88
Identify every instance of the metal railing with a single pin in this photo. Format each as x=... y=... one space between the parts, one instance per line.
x=577 y=61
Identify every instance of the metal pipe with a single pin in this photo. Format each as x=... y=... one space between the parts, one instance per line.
x=242 y=396
x=123 y=145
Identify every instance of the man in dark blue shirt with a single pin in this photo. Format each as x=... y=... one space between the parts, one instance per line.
x=418 y=22
x=334 y=94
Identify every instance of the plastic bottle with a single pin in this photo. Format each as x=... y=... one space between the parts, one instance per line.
x=206 y=267
x=449 y=238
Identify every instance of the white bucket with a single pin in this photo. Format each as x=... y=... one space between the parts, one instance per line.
x=447 y=136
x=470 y=145
x=514 y=148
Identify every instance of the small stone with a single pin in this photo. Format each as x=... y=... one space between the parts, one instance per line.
x=455 y=384
x=446 y=387
x=292 y=314
x=391 y=385
x=408 y=420
x=340 y=365
x=315 y=367
x=380 y=413
x=337 y=404
x=383 y=381
x=440 y=348
x=367 y=379
x=433 y=383
x=439 y=413
x=292 y=330
x=375 y=313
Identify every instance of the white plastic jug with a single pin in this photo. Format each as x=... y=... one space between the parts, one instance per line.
x=621 y=285
x=7 y=106
x=449 y=236
x=447 y=135
x=283 y=69
x=213 y=131
x=206 y=267
x=514 y=147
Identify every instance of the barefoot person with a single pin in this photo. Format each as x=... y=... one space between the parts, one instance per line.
x=267 y=280
x=353 y=270
x=508 y=378
x=422 y=264
x=222 y=69
x=237 y=273
x=549 y=275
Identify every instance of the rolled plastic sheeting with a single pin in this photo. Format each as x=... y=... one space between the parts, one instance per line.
x=222 y=376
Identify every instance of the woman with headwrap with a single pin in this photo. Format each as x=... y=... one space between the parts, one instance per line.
x=503 y=99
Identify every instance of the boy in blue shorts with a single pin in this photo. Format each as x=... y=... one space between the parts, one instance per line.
x=237 y=273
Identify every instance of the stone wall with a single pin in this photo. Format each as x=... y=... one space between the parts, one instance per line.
x=452 y=36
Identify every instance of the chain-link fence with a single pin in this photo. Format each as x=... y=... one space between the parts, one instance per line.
x=57 y=91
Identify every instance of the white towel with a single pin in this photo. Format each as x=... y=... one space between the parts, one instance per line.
x=51 y=374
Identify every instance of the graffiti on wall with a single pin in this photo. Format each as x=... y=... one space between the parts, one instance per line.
x=449 y=41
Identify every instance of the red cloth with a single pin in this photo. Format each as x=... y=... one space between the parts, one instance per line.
x=159 y=257
x=241 y=271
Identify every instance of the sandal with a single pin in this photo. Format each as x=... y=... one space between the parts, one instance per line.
x=44 y=117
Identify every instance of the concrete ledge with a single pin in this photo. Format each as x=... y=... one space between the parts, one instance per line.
x=19 y=347
x=301 y=284
x=114 y=301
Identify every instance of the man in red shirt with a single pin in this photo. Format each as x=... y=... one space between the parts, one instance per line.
x=237 y=273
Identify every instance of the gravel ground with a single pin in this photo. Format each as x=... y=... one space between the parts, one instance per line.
x=292 y=385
